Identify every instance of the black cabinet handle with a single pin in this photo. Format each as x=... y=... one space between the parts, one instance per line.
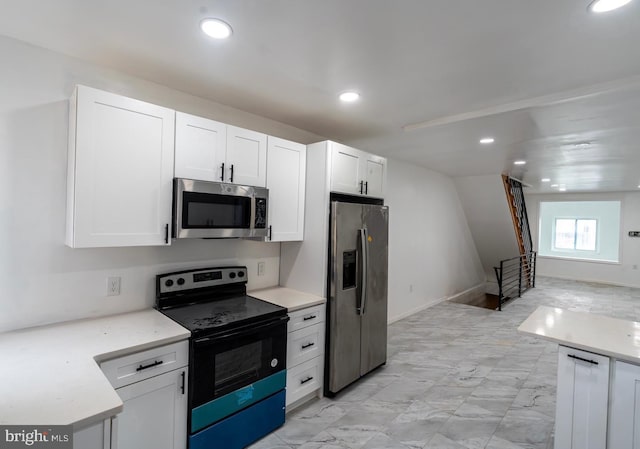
x=361 y=187
x=308 y=379
x=222 y=176
x=366 y=188
x=166 y=233
x=310 y=317
x=182 y=386
x=593 y=362
x=308 y=345
x=270 y=233
x=151 y=365
x=231 y=172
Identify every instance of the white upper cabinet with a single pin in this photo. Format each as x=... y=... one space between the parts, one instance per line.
x=200 y=148
x=120 y=170
x=246 y=157
x=207 y=150
x=357 y=172
x=286 y=174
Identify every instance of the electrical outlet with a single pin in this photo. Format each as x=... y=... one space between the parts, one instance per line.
x=260 y=268
x=113 y=285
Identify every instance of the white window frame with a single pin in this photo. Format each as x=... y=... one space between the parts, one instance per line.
x=575 y=236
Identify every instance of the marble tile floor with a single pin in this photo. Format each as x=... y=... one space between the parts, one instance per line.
x=457 y=377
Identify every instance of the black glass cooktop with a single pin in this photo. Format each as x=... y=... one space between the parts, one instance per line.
x=223 y=314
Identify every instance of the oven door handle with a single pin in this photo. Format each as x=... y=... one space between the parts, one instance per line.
x=245 y=330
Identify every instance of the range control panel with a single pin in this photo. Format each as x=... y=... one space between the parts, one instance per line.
x=201 y=278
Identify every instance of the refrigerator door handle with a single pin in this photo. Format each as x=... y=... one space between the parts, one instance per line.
x=364 y=251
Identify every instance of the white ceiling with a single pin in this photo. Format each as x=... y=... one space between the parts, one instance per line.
x=539 y=76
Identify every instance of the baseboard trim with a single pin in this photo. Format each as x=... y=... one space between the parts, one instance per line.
x=477 y=289
x=595 y=281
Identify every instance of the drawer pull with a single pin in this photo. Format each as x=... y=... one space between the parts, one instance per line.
x=308 y=379
x=151 y=365
x=310 y=317
x=308 y=345
x=593 y=362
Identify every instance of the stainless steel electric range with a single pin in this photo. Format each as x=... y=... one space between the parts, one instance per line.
x=237 y=361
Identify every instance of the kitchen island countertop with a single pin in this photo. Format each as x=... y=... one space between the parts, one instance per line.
x=291 y=299
x=51 y=376
x=612 y=337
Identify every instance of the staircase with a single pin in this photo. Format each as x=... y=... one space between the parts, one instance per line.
x=516 y=275
x=518 y=208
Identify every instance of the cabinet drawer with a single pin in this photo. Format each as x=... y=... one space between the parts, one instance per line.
x=305 y=344
x=142 y=365
x=306 y=317
x=304 y=379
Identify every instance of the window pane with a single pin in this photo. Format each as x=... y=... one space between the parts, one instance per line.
x=586 y=235
x=565 y=233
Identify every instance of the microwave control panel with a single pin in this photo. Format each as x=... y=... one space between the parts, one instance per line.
x=261 y=213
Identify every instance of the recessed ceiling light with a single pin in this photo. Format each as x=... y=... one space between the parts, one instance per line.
x=607 y=5
x=487 y=140
x=562 y=189
x=554 y=185
x=545 y=180
x=520 y=162
x=349 y=97
x=216 y=28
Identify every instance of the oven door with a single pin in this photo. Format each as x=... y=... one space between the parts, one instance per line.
x=204 y=209
x=227 y=362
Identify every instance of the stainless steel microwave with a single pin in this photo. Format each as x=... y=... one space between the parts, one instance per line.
x=203 y=209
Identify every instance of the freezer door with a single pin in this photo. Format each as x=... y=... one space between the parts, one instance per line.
x=345 y=293
x=373 y=352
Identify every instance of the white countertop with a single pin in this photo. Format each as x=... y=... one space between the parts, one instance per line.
x=291 y=299
x=619 y=339
x=50 y=374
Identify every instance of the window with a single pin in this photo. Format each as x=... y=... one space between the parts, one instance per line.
x=588 y=230
x=576 y=234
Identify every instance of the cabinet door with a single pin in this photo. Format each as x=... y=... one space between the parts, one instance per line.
x=200 y=148
x=286 y=175
x=120 y=171
x=96 y=436
x=154 y=413
x=582 y=399
x=246 y=157
x=624 y=430
x=375 y=175
x=346 y=169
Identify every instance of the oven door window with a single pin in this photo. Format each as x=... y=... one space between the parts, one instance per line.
x=226 y=363
x=238 y=367
x=211 y=211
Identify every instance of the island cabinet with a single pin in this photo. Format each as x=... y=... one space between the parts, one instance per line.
x=624 y=424
x=120 y=171
x=581 y=403
x=598 y=390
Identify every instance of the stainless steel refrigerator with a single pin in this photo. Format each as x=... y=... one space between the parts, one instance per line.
x=357 y=306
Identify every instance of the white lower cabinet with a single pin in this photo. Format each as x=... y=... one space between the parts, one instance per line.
x=582 y=399
x=624 y=418
x=96 y=436
x=153 y=387
x=154 y=414
x=305 y=354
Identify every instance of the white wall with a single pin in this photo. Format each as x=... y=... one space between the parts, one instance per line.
x=42 y=280
x=432 y=255
x=485 y=205
x=622 y=273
